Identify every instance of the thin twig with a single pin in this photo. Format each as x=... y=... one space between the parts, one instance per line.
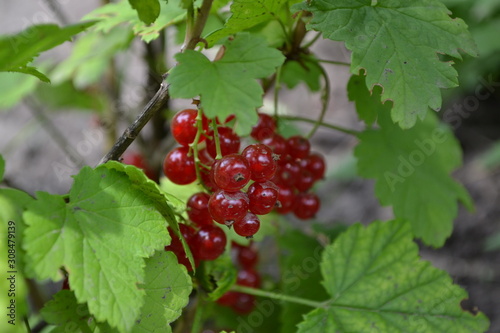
x=161 y=96
x=129 y=135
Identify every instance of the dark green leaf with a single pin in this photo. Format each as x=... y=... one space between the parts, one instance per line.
x=295 y=72
x=217 y=276
x=148 y=10
x=368 y=103
x=397 y=43
x=412 y=172
x=228 y=82
x=378 y=283
x=65 y=95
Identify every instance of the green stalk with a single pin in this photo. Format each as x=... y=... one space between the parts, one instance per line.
x=325 y=98
x=217 y=142
x=331 y=126
x=280 y=297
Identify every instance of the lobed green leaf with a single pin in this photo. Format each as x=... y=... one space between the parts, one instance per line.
x=112 y=221
x=377 y=283
x=147 y=10
x=397 y=43
x=412 y=172
x=227 y=86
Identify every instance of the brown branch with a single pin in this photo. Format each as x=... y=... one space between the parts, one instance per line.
x=161 y=96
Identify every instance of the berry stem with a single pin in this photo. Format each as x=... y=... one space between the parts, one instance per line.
x=280 y=297
x=194 y=146
x=325 y=99
x=331 y=126
x=217 y=141
x=333 y=62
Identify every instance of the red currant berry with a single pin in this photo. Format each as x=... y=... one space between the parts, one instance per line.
x=315 y=164
x=197 y=209
x=285 y=199
x=228 y=139
x=183 y=126
x=244 y=303
x=247 y=257
x=228 y=299
x=278 y=145
x=261 y=161
x=288 y=173
x=298 y=146
x=209 y=242
x=179 y=167
x=304 y=181
x=205 y=157
x=231 y=173
x=306 y=205
x=228 y=207
x=177 y=248
x=265 y=127
x=248 y=226
x=263 y=197
x=136 y=159
x=208 y=179
x=248 y=278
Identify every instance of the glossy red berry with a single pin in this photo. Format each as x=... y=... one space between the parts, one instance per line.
x=278 y=145
x=228 y=139
x=286 y=197
x=231 y=173
x=248 y=226
x=209 y=242
x=265 y=128
x=304 y=181
x=263 y=197
x=197 y=209
x=261 y=161
x=176 y=245
x=183 y=126
x=247 y=257
x=306 y=205
x=298 y=146
x=316 y=165
x=244 y=303
x=136 y=159
x=288 y=173
x=208 y=179
x=228 y=207
x=228 y=299
x=179 y=167
x=248 y=278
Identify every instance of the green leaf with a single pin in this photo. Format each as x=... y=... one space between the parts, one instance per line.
x=300 y=275
x=91 y=55
x=246 y=14
x=295 y=72
x=65 y=95
x=14 y=87
x=12 y=204
x=377 y=283
x=32 y=71
x=227 y=86
x=148 y=10
x=64 y=311
x=118 y=14
x=368 y=103
x=412 y=172
x=397 y=43
x=16 y=51
x=217 y=276
x=112 y=221
x=167 y=286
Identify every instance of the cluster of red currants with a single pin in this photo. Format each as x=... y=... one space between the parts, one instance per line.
x=247 y=259
x=272 y=174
